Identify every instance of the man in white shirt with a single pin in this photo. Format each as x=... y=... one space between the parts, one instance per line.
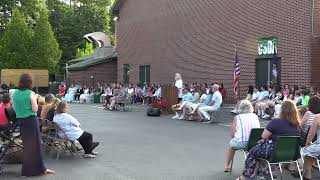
x=214 y=105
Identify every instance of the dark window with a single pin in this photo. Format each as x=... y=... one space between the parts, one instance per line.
x=144 y=74
x=126 y=71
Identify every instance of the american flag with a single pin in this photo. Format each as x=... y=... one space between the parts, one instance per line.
x=236 y=75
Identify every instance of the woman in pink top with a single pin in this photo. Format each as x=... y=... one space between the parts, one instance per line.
x=286 y=91
x=6 y=103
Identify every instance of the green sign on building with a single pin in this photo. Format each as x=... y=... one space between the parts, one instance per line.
x=266 y=46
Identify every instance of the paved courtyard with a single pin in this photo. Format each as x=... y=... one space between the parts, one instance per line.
x=136 y=147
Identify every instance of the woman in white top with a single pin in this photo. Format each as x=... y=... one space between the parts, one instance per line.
x=179 y=85
x=72 y=130
x=85 y=97
x=240 y=130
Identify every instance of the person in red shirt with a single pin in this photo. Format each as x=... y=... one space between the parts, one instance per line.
x=6 y=103
x=62 y=91
x=222 y=91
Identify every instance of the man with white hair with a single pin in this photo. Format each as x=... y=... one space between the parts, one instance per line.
x=214 y=105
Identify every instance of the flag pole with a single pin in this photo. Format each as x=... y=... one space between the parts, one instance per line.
x=238 y=89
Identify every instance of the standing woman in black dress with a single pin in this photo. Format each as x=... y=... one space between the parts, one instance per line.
x=25 y=106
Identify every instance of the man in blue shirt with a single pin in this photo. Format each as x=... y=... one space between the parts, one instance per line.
x=187 y=96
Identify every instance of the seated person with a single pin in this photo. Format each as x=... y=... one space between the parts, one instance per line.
x=40 y=102
x=157 y=94
x=73 y=131
x=304 y=101
x=203 y=102
x=62 y=91
x=70 y=96
x=109 y=91
x=249 y=97
x=53 y=108
x=287 y=125
x=46 y=107
x=186 y=105
x=261 y=97
x=312 y=149
x=266 y=104
x=137 y=94
x=118 y=97
x=4 y=123
x=254 y=97
x=78 y=93
x=297 y=98
x=214 y=105
x=186 y=96
x=85 y=97
x=240 y=130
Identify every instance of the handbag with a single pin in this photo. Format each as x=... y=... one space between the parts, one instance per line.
x=153 y=111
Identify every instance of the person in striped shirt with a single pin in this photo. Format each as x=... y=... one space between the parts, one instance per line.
x=240 y=130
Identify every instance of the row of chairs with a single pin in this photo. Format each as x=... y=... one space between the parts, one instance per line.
x=52 y=140
x=286 y=150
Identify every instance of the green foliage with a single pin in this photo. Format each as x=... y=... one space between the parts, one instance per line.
x=69 y=22
x=46 y=52
x=73 y=20
x=30 y=9
x=15 y=44
x=86 y=51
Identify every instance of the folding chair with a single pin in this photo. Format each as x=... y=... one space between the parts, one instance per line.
x=63 y=143
x=255 y=136
x=215 y=116
x=317 y=158
x=9 y=137
x=286 y=150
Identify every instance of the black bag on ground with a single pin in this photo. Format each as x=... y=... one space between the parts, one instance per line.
x=153 y=111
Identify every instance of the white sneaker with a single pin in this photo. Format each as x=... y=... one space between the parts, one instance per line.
x=182 y=118
x=89 y=156
x=266 y=116
x=234 y=111
x=95 y=153
x=207 y=122
x=175 y=117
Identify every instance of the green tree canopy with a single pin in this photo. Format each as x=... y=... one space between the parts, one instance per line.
x=46 y=52
x=16 y=42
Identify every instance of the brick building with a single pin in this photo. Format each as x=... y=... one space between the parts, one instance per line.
x=99 y=67
x=157 y=38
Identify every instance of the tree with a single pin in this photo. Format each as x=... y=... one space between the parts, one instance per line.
x=87 y=51
x=46 y=52
x=30 y=9
x=71 y=21
x=16 y=41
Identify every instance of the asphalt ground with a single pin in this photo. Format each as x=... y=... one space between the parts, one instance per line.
x=136 y=147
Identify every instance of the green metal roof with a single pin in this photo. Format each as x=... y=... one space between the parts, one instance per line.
x=101 y=55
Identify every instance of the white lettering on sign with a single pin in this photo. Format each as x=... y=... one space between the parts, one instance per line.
x=266 y=47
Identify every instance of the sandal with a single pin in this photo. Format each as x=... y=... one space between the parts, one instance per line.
x=227 y=170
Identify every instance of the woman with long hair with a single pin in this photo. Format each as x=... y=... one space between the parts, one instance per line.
x=286 y=125
x=25 y=106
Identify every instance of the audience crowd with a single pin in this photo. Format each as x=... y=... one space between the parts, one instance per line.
x=294 y=111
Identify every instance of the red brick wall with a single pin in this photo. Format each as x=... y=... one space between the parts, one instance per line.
x=315 y=60
x=103 y=73
x=316 y=18
x=197 y=37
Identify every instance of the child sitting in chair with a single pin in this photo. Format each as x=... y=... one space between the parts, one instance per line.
x=4 y=123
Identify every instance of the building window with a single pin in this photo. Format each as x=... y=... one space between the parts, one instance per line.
x=144 y=74
x=126 y=72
